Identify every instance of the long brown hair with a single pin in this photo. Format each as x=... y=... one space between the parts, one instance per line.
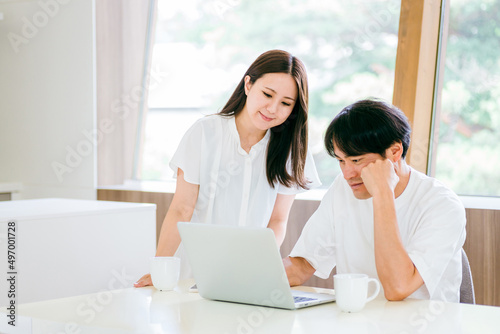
x=289 y=138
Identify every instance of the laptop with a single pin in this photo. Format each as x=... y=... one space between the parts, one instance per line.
x=241 y=265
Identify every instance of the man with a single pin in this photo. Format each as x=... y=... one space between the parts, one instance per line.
x=382 y=218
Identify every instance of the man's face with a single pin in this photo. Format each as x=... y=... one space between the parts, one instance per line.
x=351 y=167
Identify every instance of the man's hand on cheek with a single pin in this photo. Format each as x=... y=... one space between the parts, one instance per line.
x=379 y=176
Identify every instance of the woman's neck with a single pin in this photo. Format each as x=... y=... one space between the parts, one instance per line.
x=249 y=134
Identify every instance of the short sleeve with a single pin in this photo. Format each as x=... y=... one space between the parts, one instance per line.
x=316 y=242
x=311 y=175
x=188 y=154
x=437 y=242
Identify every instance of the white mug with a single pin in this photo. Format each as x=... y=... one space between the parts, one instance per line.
x=351 y=291
x=165 y=272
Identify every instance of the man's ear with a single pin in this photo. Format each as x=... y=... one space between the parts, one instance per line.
x=395 y=152
x=247 y=85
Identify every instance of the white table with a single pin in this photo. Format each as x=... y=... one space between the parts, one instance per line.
x=147 y=310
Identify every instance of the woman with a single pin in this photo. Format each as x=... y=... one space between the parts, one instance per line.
x=244 y=165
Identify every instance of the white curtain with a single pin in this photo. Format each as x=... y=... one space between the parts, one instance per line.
x=125 y=30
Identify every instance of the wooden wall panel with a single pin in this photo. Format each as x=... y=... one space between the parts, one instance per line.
x=483 y=250
x=482 y=245
x=162 y=201
x=5 y=197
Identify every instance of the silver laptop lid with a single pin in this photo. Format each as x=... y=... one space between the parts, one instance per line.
x=236 y=264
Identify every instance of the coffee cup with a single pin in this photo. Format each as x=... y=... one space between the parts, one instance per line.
x=351 y=291
x=165 y=272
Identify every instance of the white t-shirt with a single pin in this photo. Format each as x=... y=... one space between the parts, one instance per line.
x=233 y=184
x=431 y=221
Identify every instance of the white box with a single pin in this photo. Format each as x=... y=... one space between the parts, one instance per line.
x=67 y=247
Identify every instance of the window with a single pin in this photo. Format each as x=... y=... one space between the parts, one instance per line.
x=204 y=48
x=467 y=154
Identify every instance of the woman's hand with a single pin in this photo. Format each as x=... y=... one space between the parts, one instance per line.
x=143 y=281
x=181 y=210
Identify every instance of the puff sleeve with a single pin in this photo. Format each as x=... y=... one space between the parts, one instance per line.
x=188 y=154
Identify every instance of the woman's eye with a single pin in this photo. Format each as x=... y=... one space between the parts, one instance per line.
x=267 y=95
x=286 y=104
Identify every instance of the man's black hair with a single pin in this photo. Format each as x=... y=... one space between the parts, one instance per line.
x=368 y=126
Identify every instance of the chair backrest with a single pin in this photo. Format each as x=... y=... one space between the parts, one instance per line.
x=467 y=286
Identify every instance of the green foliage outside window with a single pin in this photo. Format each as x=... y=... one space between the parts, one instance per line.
x=468 y=151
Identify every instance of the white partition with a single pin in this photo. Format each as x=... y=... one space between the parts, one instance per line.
x=48 y=94
x=66 y=247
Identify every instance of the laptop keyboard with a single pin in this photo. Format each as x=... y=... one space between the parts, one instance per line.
x=299 y=299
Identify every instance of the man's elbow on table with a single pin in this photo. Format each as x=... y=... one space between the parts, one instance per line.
x=395 y=295
x=397 y=291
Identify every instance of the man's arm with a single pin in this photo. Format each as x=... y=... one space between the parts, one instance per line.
x=396 y=271
x=316 y=243
x=298 y=270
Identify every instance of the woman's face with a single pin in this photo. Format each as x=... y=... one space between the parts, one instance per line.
x=270 y=99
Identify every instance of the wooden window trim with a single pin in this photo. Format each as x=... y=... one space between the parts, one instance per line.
x=415 y=73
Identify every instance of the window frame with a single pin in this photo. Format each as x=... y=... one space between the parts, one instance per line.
x=416 y=85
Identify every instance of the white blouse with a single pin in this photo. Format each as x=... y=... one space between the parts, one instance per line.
x=233 y=184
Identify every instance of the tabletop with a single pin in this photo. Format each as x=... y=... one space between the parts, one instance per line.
x=147 y=310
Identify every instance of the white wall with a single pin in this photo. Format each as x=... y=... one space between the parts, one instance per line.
x=47 y=97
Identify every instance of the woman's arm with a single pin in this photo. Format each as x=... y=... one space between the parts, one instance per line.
x=279 y=216
x=181 y=209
